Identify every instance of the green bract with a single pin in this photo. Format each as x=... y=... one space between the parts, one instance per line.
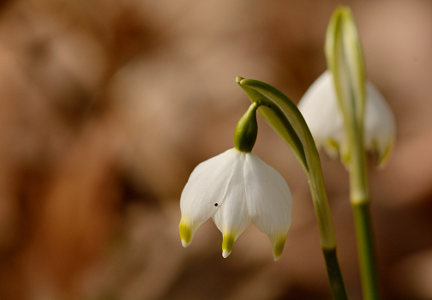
x=345 y=61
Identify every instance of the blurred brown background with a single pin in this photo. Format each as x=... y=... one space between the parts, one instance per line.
x=106 y=106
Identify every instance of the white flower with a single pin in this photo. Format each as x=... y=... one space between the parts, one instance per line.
x=235 y=188
x=320 y=109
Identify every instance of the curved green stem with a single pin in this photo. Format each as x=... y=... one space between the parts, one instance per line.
x=334 y=274
x=285 y=118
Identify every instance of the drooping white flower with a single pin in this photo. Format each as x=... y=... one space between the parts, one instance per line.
x=320 y=109
x=235 y=188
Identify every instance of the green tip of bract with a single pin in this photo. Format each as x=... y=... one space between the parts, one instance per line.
x=342 y=10
x=345 y=61
x=227 y=244
x=278 y=248
x=239 y=79
x=185 y=234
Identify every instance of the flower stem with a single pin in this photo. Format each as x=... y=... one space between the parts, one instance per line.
x=345 y=61
x=366 y=251
x=360 y=201
x=325 y=226
x=334 y=274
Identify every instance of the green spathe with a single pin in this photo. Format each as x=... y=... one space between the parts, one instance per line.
x=345 y=60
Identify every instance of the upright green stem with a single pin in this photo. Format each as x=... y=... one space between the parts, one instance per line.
x=359 y=187
x=360 y=201
x=366 y=251
x=345 y=61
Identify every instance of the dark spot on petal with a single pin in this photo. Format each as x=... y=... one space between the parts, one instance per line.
x=216 y=204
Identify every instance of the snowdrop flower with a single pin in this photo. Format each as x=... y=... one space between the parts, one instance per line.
x=320 y=109
x=236 y=188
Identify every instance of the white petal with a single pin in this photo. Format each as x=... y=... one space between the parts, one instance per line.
x=379 y=124
x=321 y=112
x=268 y=200
x=204 y=189
x=320 y=109
x=231 y=217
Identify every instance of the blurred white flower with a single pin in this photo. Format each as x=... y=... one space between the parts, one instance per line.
x=235 y=188
x=320 y=109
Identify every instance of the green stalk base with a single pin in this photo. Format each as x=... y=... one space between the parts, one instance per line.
x=366 y=252
x=335 y=275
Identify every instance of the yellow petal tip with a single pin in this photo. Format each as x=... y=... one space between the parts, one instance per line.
x=227 y=244
x=185 y=234
x=331 y=147
x=384 y=155
x=278 y=247
x=225 y=253
x=185 y=244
